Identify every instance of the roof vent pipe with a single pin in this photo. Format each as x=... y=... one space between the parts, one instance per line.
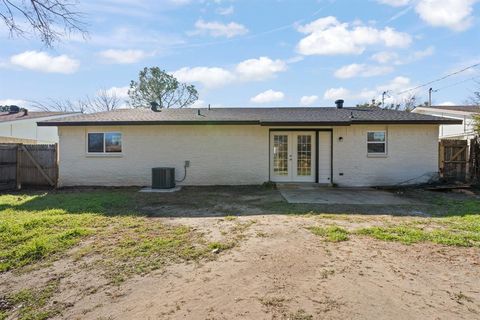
x=339 y=104
x=154 y=106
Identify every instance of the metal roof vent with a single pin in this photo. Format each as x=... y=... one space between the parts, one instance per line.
x=339 y=104
x=154 y=106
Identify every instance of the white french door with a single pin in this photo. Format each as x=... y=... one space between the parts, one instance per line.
x=292 y=156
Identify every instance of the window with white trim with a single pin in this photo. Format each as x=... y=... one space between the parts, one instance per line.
x=104 y=142
x=376 y=142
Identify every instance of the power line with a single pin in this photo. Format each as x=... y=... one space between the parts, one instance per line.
x=456 y=83
x=440 y=79
x=255 y=35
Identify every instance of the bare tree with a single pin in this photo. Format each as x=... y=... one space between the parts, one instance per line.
x=57 y=105
x=408 y=103
x=474 y=99
x=50 y=19
x=104 y=100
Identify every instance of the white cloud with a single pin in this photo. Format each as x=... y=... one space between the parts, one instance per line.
x=453 y=14
x=42 y=61
x=15 y=102
x=225 y=11
x=328 y=36
x=385 y=57
x=260 y=69
x=209 y=77
x=308 y=100
x=218 y=29
x=268 y=96
x=394 y=86
x=120 y=92
x=447 y=104
x=395 y=3
x=336 y=93
x=123 y=56
x=361 y=70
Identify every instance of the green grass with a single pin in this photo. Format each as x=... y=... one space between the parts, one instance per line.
x=42 y=228
x=458 y=225
x=30 y=236
x=464 y=232
x=38 y=227
x=33 y=304
x=331 y=233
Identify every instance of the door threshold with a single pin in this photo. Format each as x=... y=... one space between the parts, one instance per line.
x=299 y=185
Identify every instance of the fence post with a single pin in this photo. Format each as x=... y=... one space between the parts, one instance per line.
x=56 y=165
x=18 y=172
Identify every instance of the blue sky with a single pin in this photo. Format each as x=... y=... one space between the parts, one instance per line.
x=256 y=53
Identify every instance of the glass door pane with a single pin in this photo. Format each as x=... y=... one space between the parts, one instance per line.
x=280 y=155
x=304 y=155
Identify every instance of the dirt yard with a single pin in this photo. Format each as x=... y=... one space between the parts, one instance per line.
x=270 y=260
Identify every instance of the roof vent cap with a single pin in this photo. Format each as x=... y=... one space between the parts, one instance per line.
x=339 y=104
x=154 y=106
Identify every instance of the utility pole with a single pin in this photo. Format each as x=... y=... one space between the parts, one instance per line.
x=385 y=93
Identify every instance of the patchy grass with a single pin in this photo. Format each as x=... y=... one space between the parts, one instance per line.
x=221 y=246
x=409 y=234
x=28 y=236
x=300 y=315
x=459 y=226
x=42 y=227
x=33 y=304
x=122 y=242
x=331 y=233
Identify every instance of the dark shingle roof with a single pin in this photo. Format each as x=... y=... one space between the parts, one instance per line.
x=473 y=109
x=5 y=116
x=260 y=116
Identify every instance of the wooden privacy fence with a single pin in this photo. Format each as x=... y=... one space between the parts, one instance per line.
x=453 y=159
x=28 y=165
x=474 y=168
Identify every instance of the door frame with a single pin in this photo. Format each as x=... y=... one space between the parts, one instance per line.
x=316 y=149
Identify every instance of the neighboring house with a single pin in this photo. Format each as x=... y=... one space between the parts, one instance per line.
x=462 y=131
x=21 y=127
x=242 y=146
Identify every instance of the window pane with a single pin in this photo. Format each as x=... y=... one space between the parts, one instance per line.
x=280 y=155
x=95 y=142
x=113 y=142
x=376 y=136
x=304 y=155
x=376 y=148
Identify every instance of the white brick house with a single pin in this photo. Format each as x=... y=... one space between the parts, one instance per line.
x=241 y=146
x=464 y=130
x=20 y=126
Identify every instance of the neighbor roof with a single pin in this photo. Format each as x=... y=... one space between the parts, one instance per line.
x=472 y=109
x=6 y=116
x=260 y=116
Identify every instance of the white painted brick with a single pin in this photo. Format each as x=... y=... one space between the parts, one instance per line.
x=239 y=155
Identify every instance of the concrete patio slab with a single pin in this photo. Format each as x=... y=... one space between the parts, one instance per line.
x=314 y=194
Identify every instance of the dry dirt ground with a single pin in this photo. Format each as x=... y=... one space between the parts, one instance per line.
x=278 y=269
